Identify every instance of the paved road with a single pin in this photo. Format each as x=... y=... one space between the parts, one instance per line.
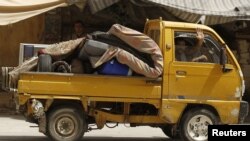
x=13 y=128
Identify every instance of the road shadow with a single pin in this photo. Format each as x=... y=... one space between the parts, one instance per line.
x=15 y=116
x=87 y=138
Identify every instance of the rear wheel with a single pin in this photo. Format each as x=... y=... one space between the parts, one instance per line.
x=194 y=125
x=66 y=124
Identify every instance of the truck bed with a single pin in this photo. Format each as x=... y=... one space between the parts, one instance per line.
x=68 y=84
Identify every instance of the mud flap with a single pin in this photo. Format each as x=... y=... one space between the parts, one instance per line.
x=42 y=124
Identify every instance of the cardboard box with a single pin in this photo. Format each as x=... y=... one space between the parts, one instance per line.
x=245 y=55
x=243 y=62
x=243 y=46
x=246 y=70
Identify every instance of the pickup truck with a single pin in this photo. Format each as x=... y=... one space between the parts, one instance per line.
x=183 y=101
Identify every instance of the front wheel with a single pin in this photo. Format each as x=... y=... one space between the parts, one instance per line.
x=194 y=125
x=66 y=124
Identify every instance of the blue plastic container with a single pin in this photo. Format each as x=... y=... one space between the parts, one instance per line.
x=113 y=67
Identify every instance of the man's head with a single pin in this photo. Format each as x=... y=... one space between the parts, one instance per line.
x=78 y=26
x=180 y=45
x=184 y=42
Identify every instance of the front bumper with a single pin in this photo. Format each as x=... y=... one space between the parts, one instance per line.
x=244 y=109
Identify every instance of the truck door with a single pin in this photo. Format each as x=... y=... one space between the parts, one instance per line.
x=201 y=79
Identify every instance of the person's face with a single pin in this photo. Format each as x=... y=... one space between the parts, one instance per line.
x=181 y=46
x=78 y=28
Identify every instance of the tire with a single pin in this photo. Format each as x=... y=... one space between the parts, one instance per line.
x=60 y=66
x=92 y=48
x=200 y=118
x=66 y=124
x=44 y=63
x=170 y=131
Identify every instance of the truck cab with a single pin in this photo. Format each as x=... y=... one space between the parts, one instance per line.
x=183 y=101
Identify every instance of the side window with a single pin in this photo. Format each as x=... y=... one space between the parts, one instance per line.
x=212 y=49
x=187 y=48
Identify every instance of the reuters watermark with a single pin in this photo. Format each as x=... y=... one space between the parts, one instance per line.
x=241 y=132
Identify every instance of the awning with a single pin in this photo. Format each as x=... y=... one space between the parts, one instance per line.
x=209 y=12
x=12 y=11
x=98 y=5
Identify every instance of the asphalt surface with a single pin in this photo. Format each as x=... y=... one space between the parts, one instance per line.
x=15 y=128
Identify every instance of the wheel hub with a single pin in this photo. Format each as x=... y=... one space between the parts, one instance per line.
x=65 y=126
x=198 y=127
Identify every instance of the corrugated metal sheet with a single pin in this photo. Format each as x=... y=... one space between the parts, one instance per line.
x=215 y=11
x=97 y=5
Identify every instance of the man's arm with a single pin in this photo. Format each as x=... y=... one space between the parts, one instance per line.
x=202 y=58
x=199 y=37
x=199 y=42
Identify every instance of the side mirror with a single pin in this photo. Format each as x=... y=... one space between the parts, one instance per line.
x=223 y=60
x=223 y=56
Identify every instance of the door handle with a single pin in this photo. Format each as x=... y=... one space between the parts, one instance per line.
x=181 y=74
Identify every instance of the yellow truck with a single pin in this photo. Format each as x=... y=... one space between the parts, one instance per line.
x=183 y=101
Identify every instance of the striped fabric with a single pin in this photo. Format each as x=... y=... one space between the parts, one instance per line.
x=138 y=41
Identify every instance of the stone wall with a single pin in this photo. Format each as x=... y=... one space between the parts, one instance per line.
x=7 y=103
